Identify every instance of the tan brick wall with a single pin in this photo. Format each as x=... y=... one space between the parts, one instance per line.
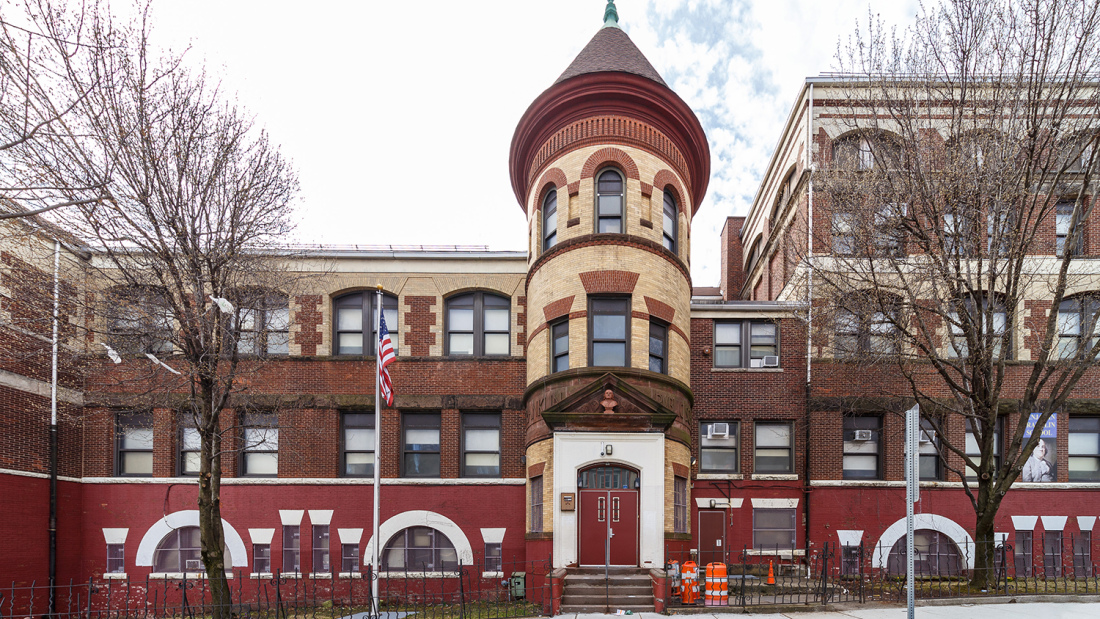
x=680 y=454
x=542 y=452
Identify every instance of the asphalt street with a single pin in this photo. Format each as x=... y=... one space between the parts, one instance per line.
x=1020 y=610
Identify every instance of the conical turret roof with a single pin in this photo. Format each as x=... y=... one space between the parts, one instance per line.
x=611 y=50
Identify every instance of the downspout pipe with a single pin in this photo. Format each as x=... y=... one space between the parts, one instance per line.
x=809 y=309
x=53 y=423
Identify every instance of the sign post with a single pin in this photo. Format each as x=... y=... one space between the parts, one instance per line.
x=912 y=495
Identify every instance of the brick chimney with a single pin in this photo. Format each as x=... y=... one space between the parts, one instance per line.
x=733 y=270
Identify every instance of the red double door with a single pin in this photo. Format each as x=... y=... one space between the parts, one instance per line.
x=608 y=527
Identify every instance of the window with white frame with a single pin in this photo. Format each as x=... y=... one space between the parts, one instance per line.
x=774 y=448
x=260 y=453
x=719 y=450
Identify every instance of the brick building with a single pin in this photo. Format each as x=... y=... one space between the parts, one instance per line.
x=581 y=401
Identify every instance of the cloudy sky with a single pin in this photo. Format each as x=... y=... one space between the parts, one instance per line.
x=399 y=114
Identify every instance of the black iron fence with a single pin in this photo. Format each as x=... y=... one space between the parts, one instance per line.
x=499 y=590
x=834 y=573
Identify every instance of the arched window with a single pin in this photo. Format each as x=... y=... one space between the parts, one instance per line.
x=550 y=219
x=1076 y=152
x=354 y=317
x=1078 y=326
x=139 y=320
x=934 y=554
x=179 y=552
x=264 y=324
x=419 y=549
x=478 y=323
x=670 y=220
x=988 y=321
x=609 y=202
x=867 y=151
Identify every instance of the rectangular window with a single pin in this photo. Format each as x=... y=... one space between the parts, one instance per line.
x=349 y=558
x=928 y=444
x=774 y=448
x=494 y=562
x=862 y=447
x=762 y=350
x=609 y=332
x=321 y=549
x=536 y=504
x=190 y=447
x=1084 y=448
x=679 y=505
x=1052 y=554
x=957 y=232
x=844 y=233
x=1023 y=553
x=973 y=449
x=658 y=347
x=849 y=560
x=261 y=558
x=292 y=548
x=358 y=444
x=1082 y=554
x=421 y=445
x=1063 y=218
x=559 y=338
x=719 y=443
x=116 y=558
x=134 y=432
x=260 y=456
x=481 y=445
x=889 y=238
x=773 y=529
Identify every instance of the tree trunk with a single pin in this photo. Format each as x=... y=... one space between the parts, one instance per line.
x=984 y=575
x=210 y=517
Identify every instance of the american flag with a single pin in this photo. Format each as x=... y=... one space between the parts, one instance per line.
x=385 y=358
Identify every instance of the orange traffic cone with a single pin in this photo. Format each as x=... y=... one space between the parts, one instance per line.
x=771 y=574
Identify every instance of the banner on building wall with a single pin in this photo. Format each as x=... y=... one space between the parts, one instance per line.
x=1041 y=465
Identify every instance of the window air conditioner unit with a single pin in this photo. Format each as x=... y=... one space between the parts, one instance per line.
x=863 y=435
x=718 y=430
x=771 y=361
x=193 y=564
x=927 y=436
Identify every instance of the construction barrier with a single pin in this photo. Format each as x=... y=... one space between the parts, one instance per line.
x=689 y=582
x=717 y=588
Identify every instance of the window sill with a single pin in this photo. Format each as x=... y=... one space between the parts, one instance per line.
x=492 y=574
x=775 y=477
x=115 y=576
x=716 y=476
x=320 y=575
x=261 y=575
x=439 y=575
x=779 y=552
x=179 y=575
x=765 y=370
x=351 y=575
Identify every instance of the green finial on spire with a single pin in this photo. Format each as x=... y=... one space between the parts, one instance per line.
x=610 y=15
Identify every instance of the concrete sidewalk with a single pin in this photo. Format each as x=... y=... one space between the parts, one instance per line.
x=1018 y=610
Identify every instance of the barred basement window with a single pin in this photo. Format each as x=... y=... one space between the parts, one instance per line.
x=494 y=562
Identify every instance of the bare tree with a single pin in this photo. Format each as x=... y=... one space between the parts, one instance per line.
x=953 y=200
x=186 y=240
x=42 y=49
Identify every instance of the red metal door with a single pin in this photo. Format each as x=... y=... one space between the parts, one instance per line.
x=608 y=527
x=712 y=537
x=593 y=527
x=623 y=521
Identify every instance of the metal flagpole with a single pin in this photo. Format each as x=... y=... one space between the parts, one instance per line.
x=912 y=495
x=376 y=549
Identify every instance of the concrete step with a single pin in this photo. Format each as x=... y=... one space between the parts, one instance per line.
x=613 y=600
x=602 y=609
